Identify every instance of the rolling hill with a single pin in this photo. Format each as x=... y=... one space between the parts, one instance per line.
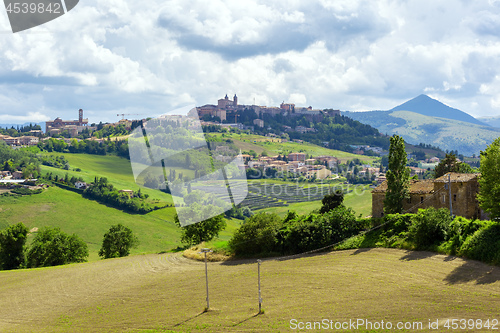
x=428 y=106
x=156 y=231
x=440 y=125
x=492 y=121
x=166 y=293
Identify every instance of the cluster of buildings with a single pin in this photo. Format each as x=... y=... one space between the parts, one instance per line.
x=228 y=109
x=361 y=149
x=20 y=140
x=7 y=175
x=318 y=167
x=300 y=129
x=74 y=127
x=458 y=188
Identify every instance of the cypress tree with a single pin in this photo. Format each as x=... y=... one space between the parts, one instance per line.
x=398 y=176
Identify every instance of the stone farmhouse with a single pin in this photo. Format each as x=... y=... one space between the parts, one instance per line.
x=435 y=193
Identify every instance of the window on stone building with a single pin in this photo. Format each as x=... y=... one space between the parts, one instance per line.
x=421 y=199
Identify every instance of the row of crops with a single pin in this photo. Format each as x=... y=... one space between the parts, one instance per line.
x=265 y=195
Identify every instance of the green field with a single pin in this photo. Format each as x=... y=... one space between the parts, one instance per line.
x=90 y=220
x=117 y=169
x=119 y=173
x=359 y=200
x=246 y=142
x=166 y=293
x=156 y=230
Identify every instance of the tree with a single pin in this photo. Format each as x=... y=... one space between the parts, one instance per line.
x=7 y=166
x=12 y=242
x=259 y=234
x=331 y=201
x=52 y=247
x=30 y=171
x=451 y=164
x=397 y=177
x=489 y=182
x=204 y=231
x=117 y=242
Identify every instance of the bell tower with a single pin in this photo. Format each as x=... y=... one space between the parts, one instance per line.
x=235 y=101
x=80 y=117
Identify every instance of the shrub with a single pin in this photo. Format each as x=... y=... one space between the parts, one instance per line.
x=12 y=242
x=117 y=242
x=52 y=247
x=430 y=227
x=458 y=232
x=258 y=234
x=396 y=224
x=331 y=201
x=315 y=231
x=26 y=191
x=483 y=245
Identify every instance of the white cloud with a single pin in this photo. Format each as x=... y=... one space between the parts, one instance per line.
x=34 y=117
x=122 y=55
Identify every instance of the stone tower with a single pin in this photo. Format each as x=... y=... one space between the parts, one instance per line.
x=80 y=117
x=235 y=101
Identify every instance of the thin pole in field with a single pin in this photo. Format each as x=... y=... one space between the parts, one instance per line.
x=260 y=298
x=205 y=251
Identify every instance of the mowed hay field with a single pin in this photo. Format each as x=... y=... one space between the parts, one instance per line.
x=166 y=293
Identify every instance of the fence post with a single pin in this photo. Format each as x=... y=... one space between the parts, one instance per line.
x=206 y=273
x=260 y=298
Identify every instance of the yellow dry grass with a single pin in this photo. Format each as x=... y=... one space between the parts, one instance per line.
x=166 y=292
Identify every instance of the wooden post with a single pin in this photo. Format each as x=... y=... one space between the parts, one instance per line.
x=449 y=191
x=260 y=298
x=205 y=251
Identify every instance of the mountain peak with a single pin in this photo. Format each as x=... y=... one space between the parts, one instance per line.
x=429 y=106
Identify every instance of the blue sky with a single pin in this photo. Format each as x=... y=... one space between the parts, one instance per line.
x=124 y=56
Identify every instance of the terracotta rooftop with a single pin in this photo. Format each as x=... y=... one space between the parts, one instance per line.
x=457 y=177
x=427 y=185
x=416 y=186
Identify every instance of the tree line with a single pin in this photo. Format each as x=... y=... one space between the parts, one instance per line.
x=52 y=247
x=92 y=147
x=106 y=193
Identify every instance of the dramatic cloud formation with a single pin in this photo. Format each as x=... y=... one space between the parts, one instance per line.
x=122 y=56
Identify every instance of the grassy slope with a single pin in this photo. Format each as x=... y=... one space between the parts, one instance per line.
x=155 y=230
x=246 y=142
x=360 y=201
x=166 y=293
x=448 y=134
x=454 y=133
x=90 y=220
x=116 y=169
x=119 y=173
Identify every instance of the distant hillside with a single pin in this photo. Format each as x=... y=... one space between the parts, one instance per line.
x=492 y=121
x=427 y=106
x=468 y=138
x=42 y=125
